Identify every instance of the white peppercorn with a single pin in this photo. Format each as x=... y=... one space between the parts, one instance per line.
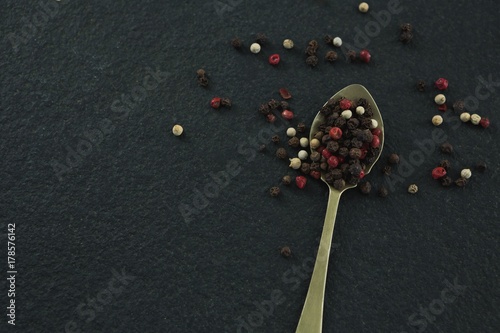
x=374 y=124
x=315 y=143
x=255 y=48
x=346 y=114
x=360 y=110
x=288 y=44
x=466 y=173
x=465 y=116
x=337 y=41
x=291 y=132
x=363 y=7
x=413 y=188
x=177 y=130
x=295 y=163
x=303 y=155
x=437 y=120
x=475 y=119
x=304 y=142
x=440 y=99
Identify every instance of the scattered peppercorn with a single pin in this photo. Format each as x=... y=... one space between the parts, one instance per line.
x=475 y=119
x=274 y=191
x=406 y=27
x=255 y=48
x=461 y=182
x=363 y=7
x=421 y=85
x=287 y=114
x=281 y=153
x=301 y=127
x=215 y=102
x=438 y=172
x=465 y=173
x=226 y=102
x=273 y=104
x=312 y=61
x=262 y=147
x=294 y=142
x=264 y=109
x=459 y=106
x=177 y=130
x=295 y=163
x=412 y=189
x=305 y=168
x=446 y=148
x=284 y=93
x=288 y=44
x=275 y=139
x=484 y=122
x=351 y=55
x=445 y=164
x=337 y=41
x=465 y=116
x=331 y=56
x=284 y=105
x=406 y=37
x=328 y=39
x=481 y=166
x=200 y=72
x=365 y=187
x=287 y=180
x=300 y=181
x=446 y=181
x=437 y=120
x=440 y=99
x=393 y=158
x=236 y=43
x=285 y=251
x=383 y=192
x=261 y=38
x=365 y=56
x=441 y=84
x=274 y=59
x=203 y=81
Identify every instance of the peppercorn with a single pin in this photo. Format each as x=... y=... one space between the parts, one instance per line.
x=300 y=181
x=315 y=166
x=421 y=85
x=355 y=153
x=387 y=170
x=446 y=181
x=284 y=93
x=271 y=118
x=286 y=180
x=262 y=147
x=203 y=81
x=255 y=48
x=363 y=7
x=310 y=51
x=236 y=43
x=313 y=43
x=314 y=143
x=475 y=119
x=343 y=151
x=339 y=184
x=273 y=104
x=275 y=139
x=303 y=155
x=465 y=116
x=284 y=105
x=412 y=189
x=285 y=251
x=274 y=59
x=481 y=166
x=437 y=120
x=332 y=146
x=465 y=173
x=264 y=109
x=325 y=139
x=274 y=191
x=304 y=142
x=281 y=153
x=291 y=132
x=312 y=61
x=305 y=168
x=459 y=106
x=355 y=169
x=383 y=192
x=365 y=56
x=406 y=37
x=323 y=166
x=328 y=39
x=301 y=127
x=261 y=38
x=441 y=84
x=177 y=130
x=288 y=44
x=406 y=27
x=294 y=142
x=352 y=123
x=365 y=187
x=484 y=122
x=295 y=163
x=445 y=164
x=446 y=148
x=351 y=55
x=226 y=102
x=461 y=182
x=440 y=99
x=200 y=72
x=331 y=56
x=438 y=172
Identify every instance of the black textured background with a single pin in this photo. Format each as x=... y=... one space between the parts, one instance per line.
x=117 y=210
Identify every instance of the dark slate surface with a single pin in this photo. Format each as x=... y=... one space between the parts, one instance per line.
x=115 y=212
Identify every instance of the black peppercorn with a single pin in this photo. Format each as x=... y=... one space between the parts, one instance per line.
x=343 y=151
x=331 y=56
x=264 y=109
x=200 y=72
x=461 y=182
x=446 y=148
x=383 y=192
x=284 y=105
x=315 y=166
x=236 y=43
x=445 y=164
x=365 y=187
x=313 y=43
x=387 y=170
x=273 y=104
x=325 y=139
x=315 y=156
x=305 y=168
x=203 y=81
x=406 y=27
x=281 y=153
x=459 y=106
x=312 y=61
x=339 y=184
x=352 y=123
x=421 y=85
x=301 y=127
x=274 y=191
x=226 y=102
x=406 y=37
x=285 y=251
x=286 y=180
x=261 y=38
x=446 y=181
x=328 y=39
x=355 y=169
x=262 y=147
x=336 y=173
x=351 y=55
x=363 y=102
x=481 y=166
x=294 y=142
x=340 y=122
x=326 y=111
x=329 y=178
x=275 y=139
x=332 y=146
x=323 y=166
x=355 y=153
x=393 y=158
x=310 y=51
x=355 y=143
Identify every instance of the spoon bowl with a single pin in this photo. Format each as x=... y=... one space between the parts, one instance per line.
x=311 y=319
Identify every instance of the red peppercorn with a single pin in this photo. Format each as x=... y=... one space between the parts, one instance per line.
x=438 y=172
x=287 y=114
x=335 y=133
x=361 y=174
x=365 y=56
x=345 y=104
x=274 y=59
x=485 y=122
x=375 y=141
x=377 y=132
x=333 y=161
x=441 y=83
x=215 y=102
x=326 y=154
x=442 y=107
x=285 y=94
x=363 y=153
x=315 y=174
x=271 y=118
x=341 y=159
x=301 y=181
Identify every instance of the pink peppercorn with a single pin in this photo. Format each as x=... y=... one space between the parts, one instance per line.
x=287 y=114
x=215 y=102
x=301 y=181
x=438 y=172
x=361 y=174
x=345 y=104
x=315 y=174
x=485 y=122
x=375 y=142
x=333 y=161
x=335 y=133
x=376 y=131
x=441 y=83
x=274 y=59
x=326 y=154
x=271 y=118
x=365 y=56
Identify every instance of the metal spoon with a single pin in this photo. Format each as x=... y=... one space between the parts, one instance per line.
x=311 y=319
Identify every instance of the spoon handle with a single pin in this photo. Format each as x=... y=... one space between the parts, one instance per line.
x=311 y=319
